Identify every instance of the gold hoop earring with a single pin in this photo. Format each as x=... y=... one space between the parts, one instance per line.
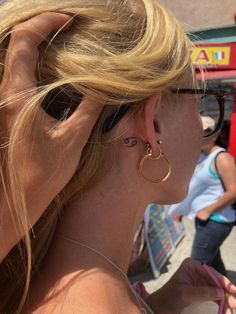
x=149 y=156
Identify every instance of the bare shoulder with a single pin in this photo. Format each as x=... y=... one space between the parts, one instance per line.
x=225 y=161
x=92 y=294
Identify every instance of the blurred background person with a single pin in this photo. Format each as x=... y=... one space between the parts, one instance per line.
x=212 y=192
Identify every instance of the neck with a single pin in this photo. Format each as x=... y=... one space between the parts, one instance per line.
x=104 y=221
x=209 y=149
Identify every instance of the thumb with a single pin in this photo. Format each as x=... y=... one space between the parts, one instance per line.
x=82 y=121
x=205 y=293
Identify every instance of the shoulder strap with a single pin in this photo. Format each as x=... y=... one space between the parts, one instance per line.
x=223 y=151
x=220 y=152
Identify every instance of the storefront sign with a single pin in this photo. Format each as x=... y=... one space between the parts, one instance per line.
x=215 y=56
x=162 y=235
x=211 y=55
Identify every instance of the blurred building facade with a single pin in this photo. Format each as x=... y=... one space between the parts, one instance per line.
x=202 y=14
x=213 y=26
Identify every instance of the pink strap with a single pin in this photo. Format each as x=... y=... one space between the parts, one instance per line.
x=218 y=284
x=140 y=290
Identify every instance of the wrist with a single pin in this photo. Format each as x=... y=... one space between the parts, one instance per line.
x=209 y=210
x=160 y=302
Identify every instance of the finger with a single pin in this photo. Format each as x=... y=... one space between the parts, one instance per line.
x=82 y=121
x=231 y=301
x=225 y=282
x=22 y=53
x=228 y=311
x=228 y=305
x=227 y=308
x=218 y=279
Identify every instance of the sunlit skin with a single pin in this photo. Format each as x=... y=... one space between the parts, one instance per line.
x=107 y=214
x=106 y=218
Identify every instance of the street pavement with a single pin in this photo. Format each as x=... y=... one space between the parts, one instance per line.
x=182 y=251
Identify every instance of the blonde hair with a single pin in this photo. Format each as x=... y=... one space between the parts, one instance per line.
x=116 y=52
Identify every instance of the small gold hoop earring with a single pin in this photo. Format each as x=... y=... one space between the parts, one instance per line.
x=149 y=156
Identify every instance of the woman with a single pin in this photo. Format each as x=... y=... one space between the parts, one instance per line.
x=216 y=217
x=211 y=194
x=129 y=59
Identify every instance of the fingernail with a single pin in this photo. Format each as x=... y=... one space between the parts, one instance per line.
x=68 y=24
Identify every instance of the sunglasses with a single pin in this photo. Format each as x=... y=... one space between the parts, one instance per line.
x=212 y=103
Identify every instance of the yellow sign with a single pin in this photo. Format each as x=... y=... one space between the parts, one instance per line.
x=211 y=56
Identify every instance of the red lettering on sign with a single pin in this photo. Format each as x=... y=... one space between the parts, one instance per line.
x=203 y=56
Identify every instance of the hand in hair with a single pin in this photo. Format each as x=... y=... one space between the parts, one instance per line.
x=46 y=159
x=193 y=283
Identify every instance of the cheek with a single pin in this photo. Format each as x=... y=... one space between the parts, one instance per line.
x=185 y=134
x=185 y=141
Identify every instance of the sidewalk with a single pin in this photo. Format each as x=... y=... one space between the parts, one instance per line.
x=182 y=251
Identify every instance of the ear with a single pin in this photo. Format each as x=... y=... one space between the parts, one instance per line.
x=148 y=127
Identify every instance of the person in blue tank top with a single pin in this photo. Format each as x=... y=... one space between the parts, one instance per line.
x=212 y=191
x=215 y=216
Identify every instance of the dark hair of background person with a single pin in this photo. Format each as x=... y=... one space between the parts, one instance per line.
x=223 y=138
